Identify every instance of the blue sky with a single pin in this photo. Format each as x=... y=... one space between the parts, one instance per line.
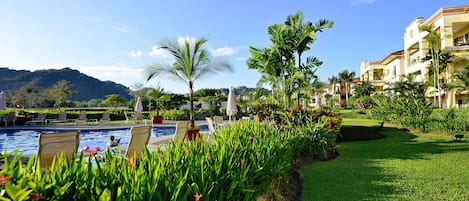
x=113 y=40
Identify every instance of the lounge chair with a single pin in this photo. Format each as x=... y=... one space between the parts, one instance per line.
x=52 y=145
x=62 y=118
x=139 y=137
x=128 y=117
x=105 y=118
x=139 y=117
x=181 y=131
x=41 y=119
x=211 y=125
x=81 y=118
x=11 y=117
x=218 y=122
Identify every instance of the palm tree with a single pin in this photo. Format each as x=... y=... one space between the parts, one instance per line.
x=347 y=78
x=191 y=62
x=433 y=40
x=333 y=80
x=363 y=88
x=155 y=94
x=304 y=34
x=461 y=81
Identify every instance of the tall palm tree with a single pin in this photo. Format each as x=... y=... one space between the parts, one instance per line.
x=333 y=80
x=304 y=34
x=433 y=40
x=191 y=62
x=346 y=77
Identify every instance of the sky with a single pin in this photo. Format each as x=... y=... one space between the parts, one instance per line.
x=116 y=39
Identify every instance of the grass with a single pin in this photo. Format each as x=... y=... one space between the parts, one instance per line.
x=402 y=166
x=360 y=122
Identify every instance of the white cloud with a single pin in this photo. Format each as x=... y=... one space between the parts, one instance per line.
x=357 y=2
x=124 y=28
x=241 y=59
x=156 y=51
x=181 y=40
x=136 y=54
x=111 y=22
x=225 y=51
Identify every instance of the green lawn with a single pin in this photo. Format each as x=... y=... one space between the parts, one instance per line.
x=402 y=166
x=360 y=122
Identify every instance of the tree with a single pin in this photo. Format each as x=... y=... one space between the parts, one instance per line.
x=333 y=80
x=191 y=62
x=213 y=98
x=461 y=81
x=346 y=78
x=60 y=91
x=363 y=88
x=281 y=63
x=304 y=34
x=407 y=87
x=155 y=94
x=114 y=100
x=434 y=41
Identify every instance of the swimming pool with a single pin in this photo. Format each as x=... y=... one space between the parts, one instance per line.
x=27 y=139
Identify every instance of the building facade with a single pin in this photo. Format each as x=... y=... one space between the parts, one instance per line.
x=452 y=27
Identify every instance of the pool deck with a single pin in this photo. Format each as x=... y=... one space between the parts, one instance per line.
x=154 y=142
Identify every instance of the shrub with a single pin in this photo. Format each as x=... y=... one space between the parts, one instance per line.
x=244 y=161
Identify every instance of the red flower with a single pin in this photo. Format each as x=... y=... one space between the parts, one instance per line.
x=4 y=180
x=92 y=154
x=35 y=196
x=132 y=162
x=197 y=197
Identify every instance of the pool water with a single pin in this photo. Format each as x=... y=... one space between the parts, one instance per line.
x=27 y=140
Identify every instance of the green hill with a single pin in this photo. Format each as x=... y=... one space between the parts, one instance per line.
x=86 y=87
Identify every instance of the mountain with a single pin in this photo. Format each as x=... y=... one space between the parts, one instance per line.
x=87 y=87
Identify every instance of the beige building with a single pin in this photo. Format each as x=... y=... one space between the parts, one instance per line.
x=373 y=71
x=452 y=24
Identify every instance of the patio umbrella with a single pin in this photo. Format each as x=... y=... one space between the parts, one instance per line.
x=138 y=105
x=3 y=105
x=231 y=108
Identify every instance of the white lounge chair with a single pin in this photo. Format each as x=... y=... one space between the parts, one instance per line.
x=218 y=122
x=62 y=118
x=139 y=137
x=51 y=145
x=41 y=119
x=105 y=118
x=11 y=117
x=81 y=118
x=211 y=125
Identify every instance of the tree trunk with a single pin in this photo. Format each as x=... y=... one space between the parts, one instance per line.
x=191 y=106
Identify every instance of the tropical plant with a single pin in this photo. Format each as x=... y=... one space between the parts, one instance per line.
x=60 y=91
x=333 y=80
x=346 y=77
x=406 y=87
x=156 y=94
x=461 y=81
x=114 y=100
x=433 y=41
x=191 y=62
x=281 y=63
x=363 y=88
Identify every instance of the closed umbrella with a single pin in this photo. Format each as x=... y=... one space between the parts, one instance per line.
x=3 y=105
x=138 y=105
x=231 y=108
